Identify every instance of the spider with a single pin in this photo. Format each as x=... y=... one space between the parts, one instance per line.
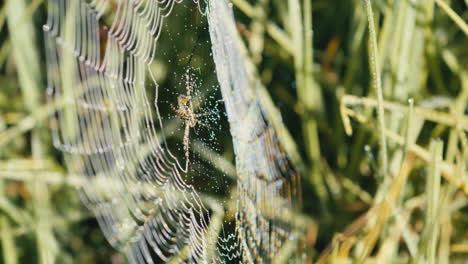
x=186 y=113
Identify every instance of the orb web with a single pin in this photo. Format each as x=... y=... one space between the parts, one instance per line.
x=268 y=183
x=123 y=125
x=99 y=57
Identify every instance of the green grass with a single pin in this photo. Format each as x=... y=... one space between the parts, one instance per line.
x=373 y=100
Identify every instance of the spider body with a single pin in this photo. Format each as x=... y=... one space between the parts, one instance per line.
x=186 y=113
x=185 y=110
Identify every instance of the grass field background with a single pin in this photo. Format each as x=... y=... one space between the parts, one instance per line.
x=373 y=95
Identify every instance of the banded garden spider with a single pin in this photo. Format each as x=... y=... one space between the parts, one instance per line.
x=185 y=111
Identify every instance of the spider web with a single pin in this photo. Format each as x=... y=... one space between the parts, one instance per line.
x=268 y=183
x=117 y=129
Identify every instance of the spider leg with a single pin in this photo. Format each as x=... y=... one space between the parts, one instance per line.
x=202 y=124
x=188 y=84
x=179 y=112
x=203 y=114
x=186 y=143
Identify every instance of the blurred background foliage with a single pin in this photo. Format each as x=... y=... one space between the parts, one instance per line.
x=405 y=204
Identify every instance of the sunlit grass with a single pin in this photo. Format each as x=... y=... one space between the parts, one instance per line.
x=373 y=98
